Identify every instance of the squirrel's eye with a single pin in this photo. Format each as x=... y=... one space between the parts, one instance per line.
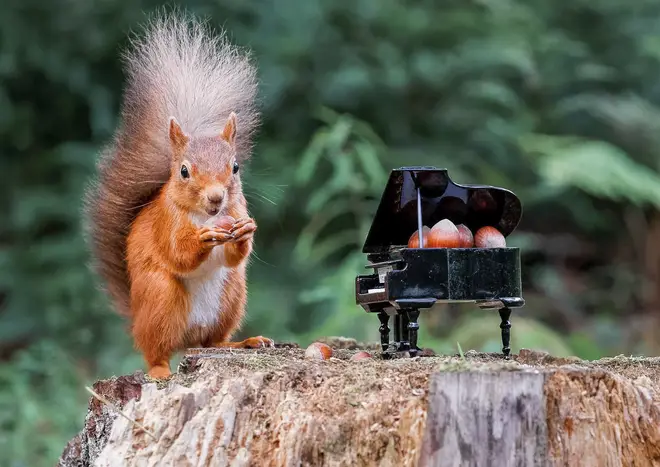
x=184 y=172
x=235 y=167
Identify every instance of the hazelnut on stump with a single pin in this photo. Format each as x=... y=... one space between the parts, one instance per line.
x=318 y=351
x=361 y=356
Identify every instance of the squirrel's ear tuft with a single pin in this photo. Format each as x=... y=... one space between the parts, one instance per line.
x=229 y=132
x=177 y=137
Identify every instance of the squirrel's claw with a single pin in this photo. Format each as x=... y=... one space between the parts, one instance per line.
x=242 y=222
x=243 y=230
x=214 y=236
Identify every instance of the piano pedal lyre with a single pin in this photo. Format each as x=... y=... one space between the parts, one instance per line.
x=406 y=329
x=407 y=280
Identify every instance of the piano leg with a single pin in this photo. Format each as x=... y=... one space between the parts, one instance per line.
x=397 y=331
x=405 y=332
x=505 y=326
x=413 y=327
x=384 y=330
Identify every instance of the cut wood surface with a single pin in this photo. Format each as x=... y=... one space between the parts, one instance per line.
x=273 y=407
x=504 y=409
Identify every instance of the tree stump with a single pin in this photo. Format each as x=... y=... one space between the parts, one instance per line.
x=273 y=407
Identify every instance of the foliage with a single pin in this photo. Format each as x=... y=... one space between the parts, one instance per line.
x=569 y=163
x=480 y=332
x=557 y=101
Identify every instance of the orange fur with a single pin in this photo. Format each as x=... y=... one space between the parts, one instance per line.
x=163 y=246
x=188 y=116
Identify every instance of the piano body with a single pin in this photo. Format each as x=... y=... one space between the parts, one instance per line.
x=407 y=280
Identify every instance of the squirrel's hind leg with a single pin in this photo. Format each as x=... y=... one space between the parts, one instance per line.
x=249 y=343
x=160 y=370
x=232 y=309
x=221 y=336
x=159 y=307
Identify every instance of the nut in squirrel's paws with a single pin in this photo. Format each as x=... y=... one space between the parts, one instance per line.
x=243 y=229
x=220 y=222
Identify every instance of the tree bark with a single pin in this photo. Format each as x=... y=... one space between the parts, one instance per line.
x=275 y=408
x=483 y=418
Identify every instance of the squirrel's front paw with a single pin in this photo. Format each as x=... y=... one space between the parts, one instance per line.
x=212 y=237
x=243 y=229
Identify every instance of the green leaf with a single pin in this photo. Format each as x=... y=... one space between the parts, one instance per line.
x=596 y=167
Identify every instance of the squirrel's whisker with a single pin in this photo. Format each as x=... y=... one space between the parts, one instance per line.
x=262 y=197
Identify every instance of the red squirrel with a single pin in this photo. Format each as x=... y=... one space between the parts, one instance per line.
x=188 y=116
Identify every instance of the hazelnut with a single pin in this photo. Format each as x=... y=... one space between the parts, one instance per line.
x=361 y=356
x=318 y=351
x=413 y=242
x=465 y=234
x=221 y=222
x=444 y=234
x=489 y=237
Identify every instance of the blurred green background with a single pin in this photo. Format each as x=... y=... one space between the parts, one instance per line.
x=557 y=101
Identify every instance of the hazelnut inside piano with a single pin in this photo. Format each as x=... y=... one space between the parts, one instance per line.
x=460 y=256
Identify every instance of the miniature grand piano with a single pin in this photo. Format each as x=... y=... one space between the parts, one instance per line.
x=407 y=280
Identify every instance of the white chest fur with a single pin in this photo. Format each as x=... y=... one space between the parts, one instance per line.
x=205 y=287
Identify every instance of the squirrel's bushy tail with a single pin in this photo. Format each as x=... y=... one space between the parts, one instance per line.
x=176 y=68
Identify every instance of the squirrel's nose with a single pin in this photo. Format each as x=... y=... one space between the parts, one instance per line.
x=215 y=196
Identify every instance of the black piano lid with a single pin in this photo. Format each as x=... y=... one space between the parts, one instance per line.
x=475 y=206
